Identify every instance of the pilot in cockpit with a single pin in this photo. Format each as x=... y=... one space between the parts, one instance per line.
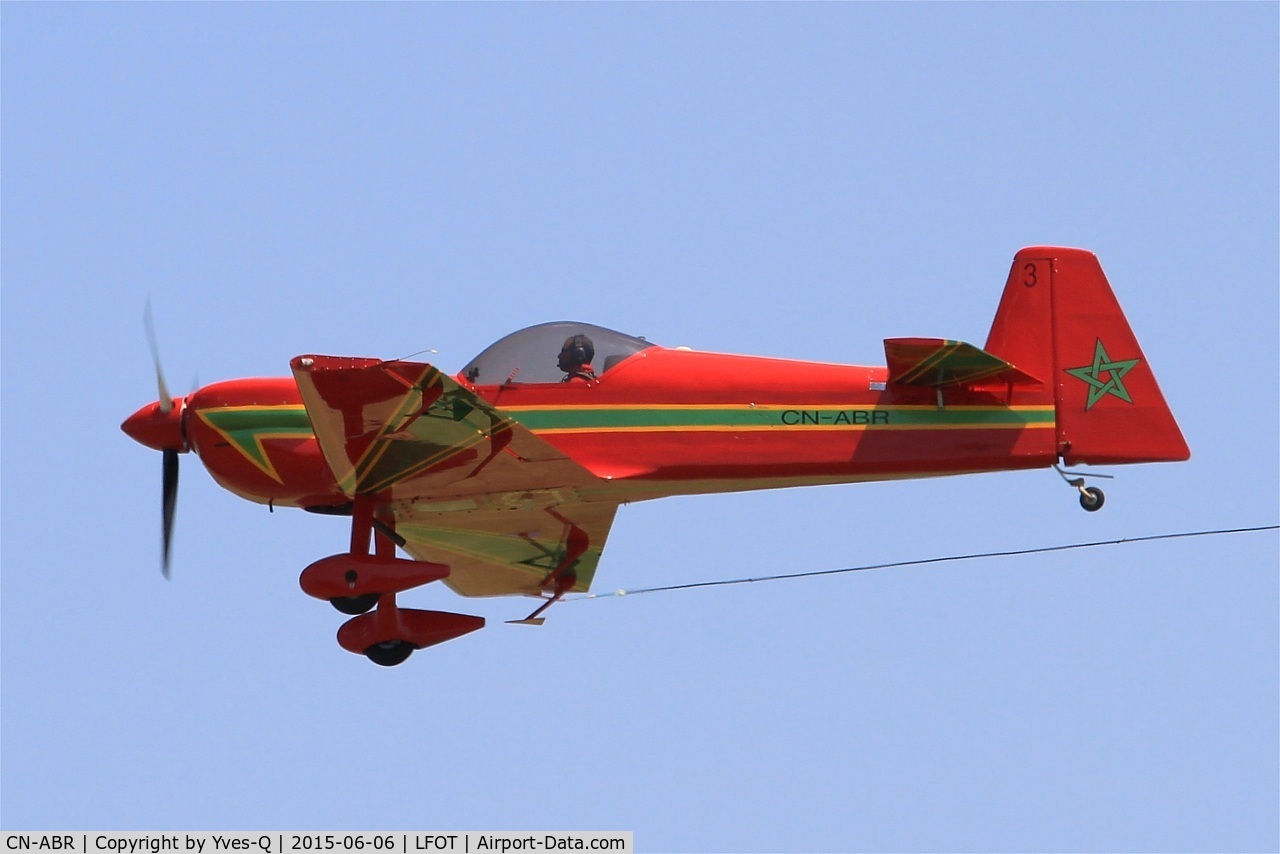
x=575 y=359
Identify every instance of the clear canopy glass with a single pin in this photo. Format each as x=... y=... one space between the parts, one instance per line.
x=530 y=355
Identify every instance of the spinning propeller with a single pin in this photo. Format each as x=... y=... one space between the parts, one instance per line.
x=159 y=425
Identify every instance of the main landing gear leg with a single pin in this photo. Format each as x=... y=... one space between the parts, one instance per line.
x=357 y=581
x=361 y=528
x=1091 y=497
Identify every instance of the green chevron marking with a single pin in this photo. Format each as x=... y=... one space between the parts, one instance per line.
x=246 y=427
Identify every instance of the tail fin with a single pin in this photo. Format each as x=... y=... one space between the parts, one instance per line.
x=1059 y=320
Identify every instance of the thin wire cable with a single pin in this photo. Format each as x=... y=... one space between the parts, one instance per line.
x=925 y=561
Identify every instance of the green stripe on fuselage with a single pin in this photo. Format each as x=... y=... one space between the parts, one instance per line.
x=777 y=417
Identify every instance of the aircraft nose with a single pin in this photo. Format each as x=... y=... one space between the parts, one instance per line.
x=156 y=427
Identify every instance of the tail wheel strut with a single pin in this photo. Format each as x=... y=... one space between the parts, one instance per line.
x=1091 y=497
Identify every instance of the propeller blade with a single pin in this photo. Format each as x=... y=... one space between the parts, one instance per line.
x=166 y=402
x=169 y=502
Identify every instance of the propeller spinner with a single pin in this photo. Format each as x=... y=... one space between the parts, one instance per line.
x=159 y=425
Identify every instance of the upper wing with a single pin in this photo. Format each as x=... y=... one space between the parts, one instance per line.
x=937 y=362
x=465 y=484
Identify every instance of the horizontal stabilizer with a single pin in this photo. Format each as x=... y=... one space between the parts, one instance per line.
x=938 y=362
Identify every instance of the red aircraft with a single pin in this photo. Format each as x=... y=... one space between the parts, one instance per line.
x=506 y=478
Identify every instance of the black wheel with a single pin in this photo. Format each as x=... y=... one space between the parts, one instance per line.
x=1091 y=498
x=354 y=605
x=390 y=653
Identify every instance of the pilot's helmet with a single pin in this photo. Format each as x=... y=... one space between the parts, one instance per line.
x=577 y=350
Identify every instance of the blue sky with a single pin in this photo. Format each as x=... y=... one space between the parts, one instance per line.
x=787 y=180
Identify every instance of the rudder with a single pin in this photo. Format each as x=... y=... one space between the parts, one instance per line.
x=1059 y=319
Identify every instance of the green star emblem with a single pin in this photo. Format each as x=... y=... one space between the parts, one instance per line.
x=1115 y=371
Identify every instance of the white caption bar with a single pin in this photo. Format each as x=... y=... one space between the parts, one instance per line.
x=300 y=842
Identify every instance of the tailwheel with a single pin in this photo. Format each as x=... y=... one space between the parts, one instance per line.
x=354 y=605
x=1091 y=498
x=390 y=653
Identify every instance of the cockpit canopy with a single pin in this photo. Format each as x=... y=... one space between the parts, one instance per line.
x=530 y=355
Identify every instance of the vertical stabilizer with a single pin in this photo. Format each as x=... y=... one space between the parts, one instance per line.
x=1060 y=320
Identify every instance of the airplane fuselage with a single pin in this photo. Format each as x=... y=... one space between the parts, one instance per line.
x=668 y=422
